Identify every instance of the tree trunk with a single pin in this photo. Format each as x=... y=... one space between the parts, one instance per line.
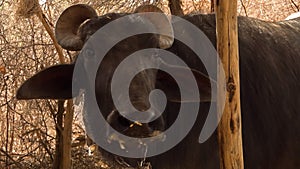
x=67 y=136
x=59 y=135
x=175 y=7
x=212 y=6
x=229 y=130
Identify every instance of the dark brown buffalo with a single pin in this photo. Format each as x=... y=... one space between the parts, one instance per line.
x=270 y=88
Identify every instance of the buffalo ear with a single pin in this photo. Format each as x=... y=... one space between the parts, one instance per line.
x=52 y=83
x=166 y=83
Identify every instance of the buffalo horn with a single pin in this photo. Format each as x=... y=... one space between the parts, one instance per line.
x=68 y=24
x=163 y=25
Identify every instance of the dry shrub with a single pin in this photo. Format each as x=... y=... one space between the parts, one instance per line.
x=27 y=8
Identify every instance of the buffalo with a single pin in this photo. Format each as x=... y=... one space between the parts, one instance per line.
x=269 y=77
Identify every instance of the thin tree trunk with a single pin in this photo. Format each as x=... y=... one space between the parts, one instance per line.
x=67 y=135
x=175 y=7
x=40 y=15
x=212 y=6
x=59 y=131
x=230 y=127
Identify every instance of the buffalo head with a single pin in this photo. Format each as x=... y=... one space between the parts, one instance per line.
x=73 y=29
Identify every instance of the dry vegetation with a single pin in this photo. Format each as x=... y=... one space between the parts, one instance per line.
x=27 y=128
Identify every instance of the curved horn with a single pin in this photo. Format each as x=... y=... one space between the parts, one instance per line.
x=69 y=22
x=147 y=8
x=163 y=25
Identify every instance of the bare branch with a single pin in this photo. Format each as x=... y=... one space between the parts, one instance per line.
x=297 y=6
x=244 y=7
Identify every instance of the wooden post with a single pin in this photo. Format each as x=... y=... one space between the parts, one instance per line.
x=230 y=127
